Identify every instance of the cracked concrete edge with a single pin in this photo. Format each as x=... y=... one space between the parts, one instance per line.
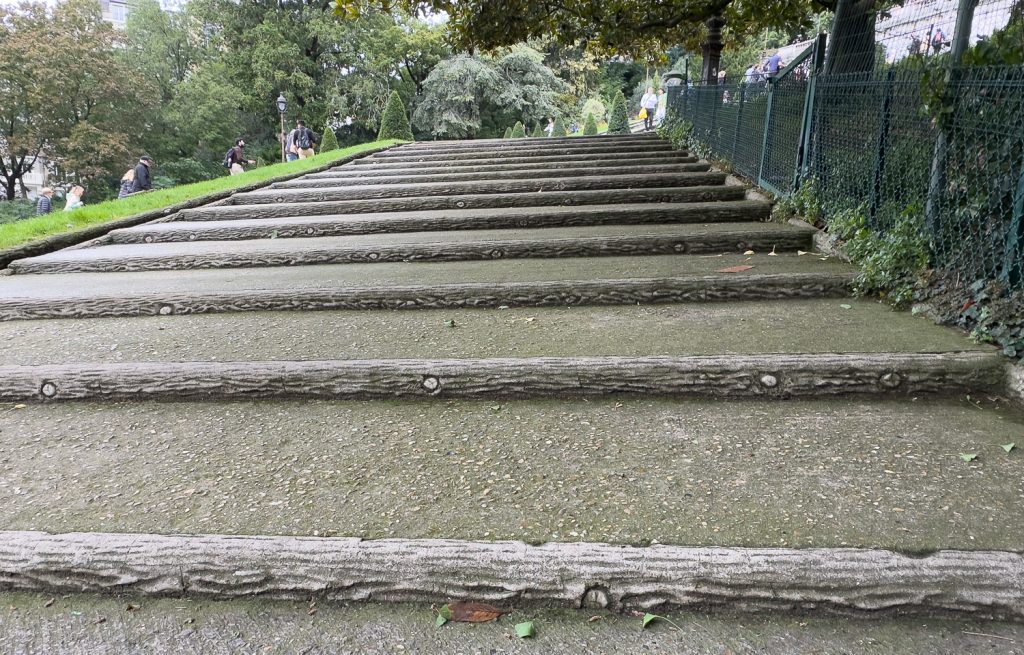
x=843 y=581
x=95 y=235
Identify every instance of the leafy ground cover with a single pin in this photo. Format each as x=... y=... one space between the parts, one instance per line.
x=37 y=227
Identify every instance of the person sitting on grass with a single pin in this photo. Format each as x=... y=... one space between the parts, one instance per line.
x=74 y=198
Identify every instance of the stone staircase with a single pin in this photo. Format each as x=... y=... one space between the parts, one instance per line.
x=520 y=316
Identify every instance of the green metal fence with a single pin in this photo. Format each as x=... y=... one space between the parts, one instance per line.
x=868 y=141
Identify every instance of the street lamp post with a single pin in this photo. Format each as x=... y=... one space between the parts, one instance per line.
x=281 y=107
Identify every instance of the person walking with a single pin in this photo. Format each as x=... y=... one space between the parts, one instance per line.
x=74 y=198
x=126 y=184
x=659 y=115
x=304 y=140
x=142 y=179
x=236 y=158
x=649 y=103
x=44 y=205
x=290 y=149
x=773 y=64
x=550 y=126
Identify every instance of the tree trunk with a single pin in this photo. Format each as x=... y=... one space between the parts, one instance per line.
x=851 y=46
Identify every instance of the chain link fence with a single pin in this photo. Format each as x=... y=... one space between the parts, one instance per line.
x=908 y=137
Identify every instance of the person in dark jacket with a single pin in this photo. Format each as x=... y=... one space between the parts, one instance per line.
x=143 y=179
x=44 y=205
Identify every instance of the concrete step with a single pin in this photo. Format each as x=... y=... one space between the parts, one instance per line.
x=483 y=159
x=512 y=145
x=605 y=198
x=838 y=473
x=411 y=190
x=546 y=140
x=477 y=244
x=526 y=149
x=538 y=167
x=342 y=178
x=551 y=282
x=173 y=626
x=732 y=212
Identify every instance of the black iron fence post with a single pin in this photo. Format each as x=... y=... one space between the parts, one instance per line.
x=881 y=146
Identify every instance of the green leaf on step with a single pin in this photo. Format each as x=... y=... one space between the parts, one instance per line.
x=525 y=629
x=845 y=306
x=444 y=615
x=496 y=408
x=648 y=618
x=273 y=235
x=450 y=322
x=968 y=457
x=1009 y=446
x=440 y=620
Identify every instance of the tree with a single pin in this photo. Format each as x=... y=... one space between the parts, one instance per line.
x=618 y=123
x=508 y=133
x=559 y=129
x=475 y=95
x=518 y=131
x=538 y=130
x=394 y=124
x=65 y=94
x=329 y=141
x=590 y=127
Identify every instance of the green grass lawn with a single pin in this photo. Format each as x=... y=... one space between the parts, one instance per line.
x=38 y=227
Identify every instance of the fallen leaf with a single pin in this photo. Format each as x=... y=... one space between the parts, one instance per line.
x=450 y=322
x=531 y=319
x=845 y=306
x=773 y=253
x=100 y=620
x=968 y=457
x=525 y=629
x=469 y=612
x=735 y=269
x=131 y=608
x=749 y=252
x=20 y=406
x=50 y=602
x=1008 y=446
x=595 y=618
x=440 y=620
x=650 y=618
x=801 y=253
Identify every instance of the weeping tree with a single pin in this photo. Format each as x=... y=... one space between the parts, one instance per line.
x=470 y=96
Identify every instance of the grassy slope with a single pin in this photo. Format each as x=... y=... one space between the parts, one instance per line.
x=17 y=233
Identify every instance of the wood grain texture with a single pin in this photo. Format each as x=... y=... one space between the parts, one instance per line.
x=483 y=158
x=721 y=376
x=439 y=296
x=306 y=253
x=496 y=165
x=411 y=190
x=844 y=581
x=460 y=219
x=484 y=144
x=477 y=201
x=342 y=178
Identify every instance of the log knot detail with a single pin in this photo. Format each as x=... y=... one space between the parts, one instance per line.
x=166 y=310
x=891 y=380
x=595 y=598
x=49 y=389
x=431 y=384
x=769 y=381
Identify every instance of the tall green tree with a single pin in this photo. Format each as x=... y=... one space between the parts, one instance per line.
x=477 y=95
x=618 y=123
x=394 y=124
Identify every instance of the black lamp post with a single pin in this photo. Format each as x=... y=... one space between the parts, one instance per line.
x=282 y=106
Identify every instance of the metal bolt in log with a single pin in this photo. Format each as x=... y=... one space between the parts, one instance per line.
x=891 y=380
x=49 y=389
x=431 y=384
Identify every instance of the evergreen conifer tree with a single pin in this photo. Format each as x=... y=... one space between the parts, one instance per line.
x=518 y=131
x=538 y=130
x=394 y=123
x=559 y=128
x=590 y=127
x=329 y=141
x=508 y=133
x=618 y=123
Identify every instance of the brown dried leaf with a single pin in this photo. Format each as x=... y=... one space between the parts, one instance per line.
x=131 y=608
x=468 y=612
x=735 y=269
x=50 y=602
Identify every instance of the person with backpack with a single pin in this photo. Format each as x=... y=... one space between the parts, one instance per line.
x=304 y=140
x=143 y=180
x=235 y=158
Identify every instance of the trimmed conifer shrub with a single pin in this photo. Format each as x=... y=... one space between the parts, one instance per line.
x=559 y=128
x=508 y=133
x=329 y=141
x=518 y=131
x=394 y=123
x=538 y=130
x=618 y=123
x=590 y=127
